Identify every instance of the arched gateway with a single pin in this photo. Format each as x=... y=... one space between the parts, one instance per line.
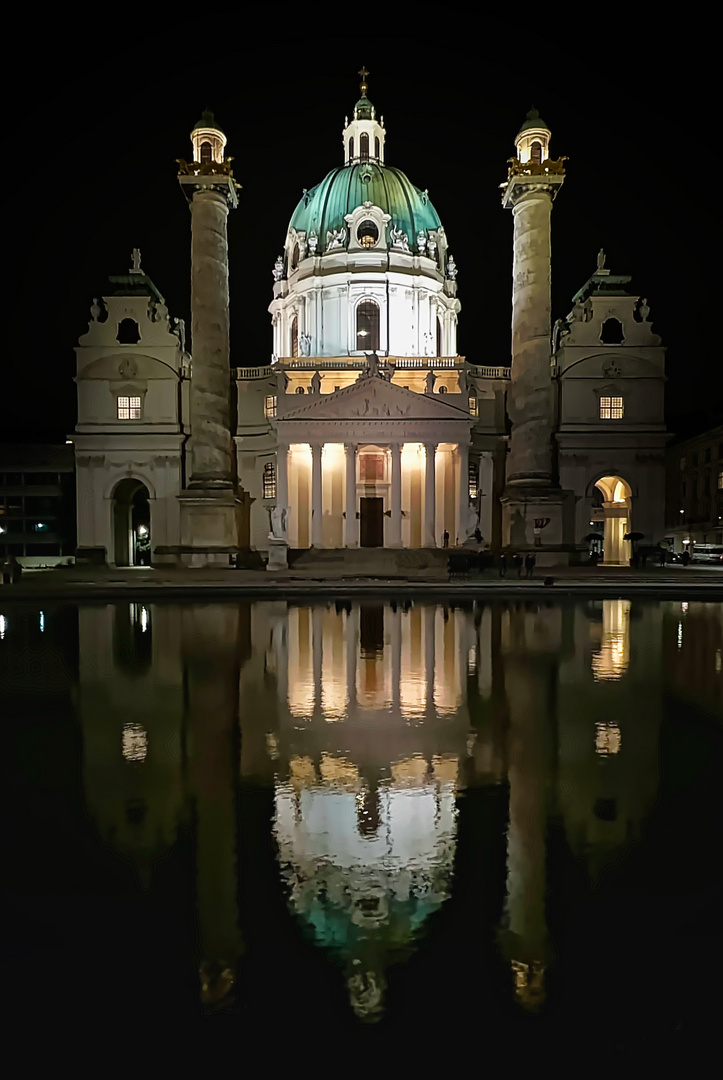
x=131 y=523
x=617 y=519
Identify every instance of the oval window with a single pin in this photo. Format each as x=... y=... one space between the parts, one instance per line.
x=367 y=234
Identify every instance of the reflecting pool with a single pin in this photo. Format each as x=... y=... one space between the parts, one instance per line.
x=387 y=820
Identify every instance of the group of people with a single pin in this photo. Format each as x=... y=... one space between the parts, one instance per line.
x=518 y=563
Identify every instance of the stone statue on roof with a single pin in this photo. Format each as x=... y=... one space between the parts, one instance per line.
x=136 y=257
x=601 y=259
x=316 y=383
x=305 y=344
x=429 y=383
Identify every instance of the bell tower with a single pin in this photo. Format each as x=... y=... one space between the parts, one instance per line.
x=532 y=494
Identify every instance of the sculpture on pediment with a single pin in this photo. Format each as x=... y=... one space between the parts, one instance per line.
x=305 y=344
x=451 y=268
x=421 y=242
x=559 y=330
x=278 y=270
x=643 y=310
x=136 y=258
x=462 y=381
x=158 y=312
x=371 y=369
x=429 y=383
x=95 y=310
x=612 y=369
x=180 y=328
x=335 y=238
x=315 y=383
x=578 y=311
x=601 y=260
x=313 y=242
x=432 y=248
x=399 y=239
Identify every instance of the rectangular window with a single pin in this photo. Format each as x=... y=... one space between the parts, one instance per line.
x=129 y=408
x=473 y=479
x=270 y=406
x=269 y=480
x=473 y=407
x=371 y=468
x=611 y=408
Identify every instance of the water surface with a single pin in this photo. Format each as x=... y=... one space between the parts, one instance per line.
x=390 y=821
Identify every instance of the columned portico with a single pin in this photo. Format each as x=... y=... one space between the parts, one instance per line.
x=462 y=454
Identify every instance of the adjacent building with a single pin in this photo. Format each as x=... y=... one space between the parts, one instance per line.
x=37 y=504
x=694 y=490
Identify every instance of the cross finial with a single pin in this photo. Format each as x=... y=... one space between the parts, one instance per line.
x=136 y=257
x=363 y=72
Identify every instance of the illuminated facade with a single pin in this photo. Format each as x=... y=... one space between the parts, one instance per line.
x=368 y=429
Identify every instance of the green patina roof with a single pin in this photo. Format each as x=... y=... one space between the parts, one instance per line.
x=133 y=285
x=364 y=110
x=604 y=285
x=208 y=120
x=324 y=208
x=534 y=120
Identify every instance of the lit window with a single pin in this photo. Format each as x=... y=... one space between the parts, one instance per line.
x=611 y=408
x=134 y=742
x=205 y=153
x=443 y=389
x=473 y=410
x=473 y=480
x=367 y=326
x=367 y=234
x=269 y=480
x=299 y=390
x=270 y=406
x=351 y=148
x=536 y=153
x=129 y=408
x=363 y=147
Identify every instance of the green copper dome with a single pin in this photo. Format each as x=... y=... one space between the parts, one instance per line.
x=534 y=120
x=324 y=208
x=208 y=120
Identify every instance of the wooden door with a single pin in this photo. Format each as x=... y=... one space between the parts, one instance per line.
x=372 y=522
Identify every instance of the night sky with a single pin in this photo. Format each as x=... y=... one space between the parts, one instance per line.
x=107 y=113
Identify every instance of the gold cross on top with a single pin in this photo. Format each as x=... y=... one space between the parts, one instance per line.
x=363 y=72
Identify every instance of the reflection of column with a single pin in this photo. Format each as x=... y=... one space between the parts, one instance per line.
x=211 y=646
x=525 y=942
x=351 y=538
x=317 y=645
x=462 y=492
x=395 y=628
x=351 y=652
x=430 y=450
x=316 y=495
x=429 y=617
x=395 y=530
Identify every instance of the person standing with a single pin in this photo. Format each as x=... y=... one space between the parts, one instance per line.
x=529 y=563
x=517 y=563
x=503 y=565
x=445 y=539
x=478 y=537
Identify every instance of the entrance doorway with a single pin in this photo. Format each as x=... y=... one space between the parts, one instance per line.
x=131 y=524
x=617 y=505
x=372 y=521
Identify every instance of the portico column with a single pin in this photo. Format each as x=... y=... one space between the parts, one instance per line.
x=317 y=652
x=396 y=636
x=351 y=649
x=430 y=510
x=316 y=495
x=429 y=659
x=395 y=522
x=351 y=536
x=462 y=493
x=282 y=475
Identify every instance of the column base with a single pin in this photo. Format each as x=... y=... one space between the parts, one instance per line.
x=210 y=526
x=522 y=505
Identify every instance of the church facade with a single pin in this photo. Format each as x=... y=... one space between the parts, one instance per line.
x=368 y=429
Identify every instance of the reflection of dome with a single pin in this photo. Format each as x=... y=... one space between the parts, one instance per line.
x=324 y=208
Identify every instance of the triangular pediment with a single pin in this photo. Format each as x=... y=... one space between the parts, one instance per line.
x=373 y=397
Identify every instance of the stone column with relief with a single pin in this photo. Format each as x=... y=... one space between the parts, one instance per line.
x=213 y=506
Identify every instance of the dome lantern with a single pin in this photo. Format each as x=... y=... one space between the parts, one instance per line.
x=364 y=135
x=533 y=139
x=208 y=140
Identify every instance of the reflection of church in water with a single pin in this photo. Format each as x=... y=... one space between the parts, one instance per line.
x=367 y=725
x=368 y=428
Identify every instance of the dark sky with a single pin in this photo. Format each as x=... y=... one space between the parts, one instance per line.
x=629 y=102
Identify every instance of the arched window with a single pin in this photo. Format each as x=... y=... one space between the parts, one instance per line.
x=364 y=147
x=295 y=257
x=439 y=337
x=269 y=480
x=351 y=148
x=612 y=332
x=206 y=153
x=299 y=390
x=128 y=332
x=536 y=153
x=367 y=234
x=367 y=326
x=377 y=153
x=294 y=337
